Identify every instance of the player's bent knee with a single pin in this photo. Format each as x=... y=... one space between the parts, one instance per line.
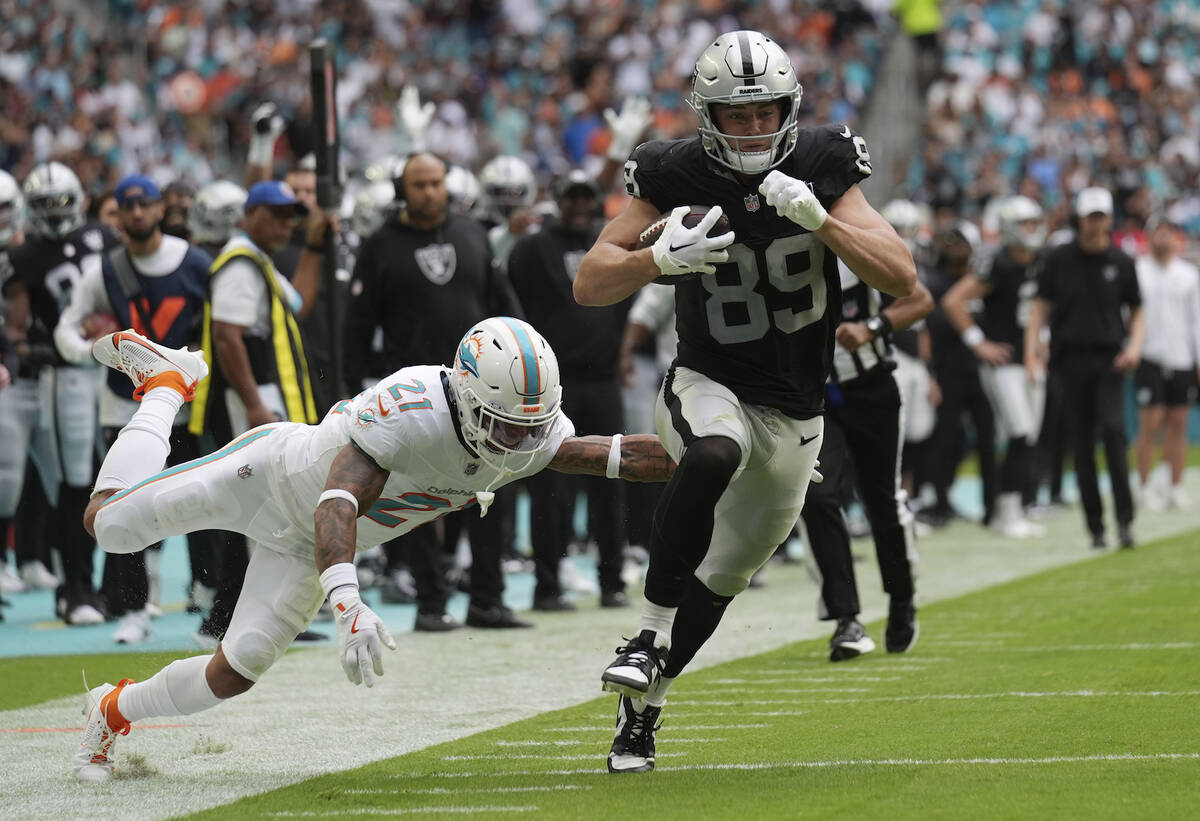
x=713 y=455
x=250 y=653
x=725 y=584
x=115 y=533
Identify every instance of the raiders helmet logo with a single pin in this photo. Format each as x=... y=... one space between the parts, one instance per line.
x=437 y=262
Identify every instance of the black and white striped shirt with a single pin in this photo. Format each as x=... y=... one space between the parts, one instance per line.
x=859 y=303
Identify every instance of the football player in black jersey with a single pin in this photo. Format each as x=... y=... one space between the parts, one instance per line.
x=45 y=269
x=1007 y=286
x=756 y=309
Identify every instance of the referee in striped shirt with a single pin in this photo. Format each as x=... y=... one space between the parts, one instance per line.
x=864 y=431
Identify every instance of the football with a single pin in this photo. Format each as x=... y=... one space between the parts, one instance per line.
x=98 y=324
x=690 y=220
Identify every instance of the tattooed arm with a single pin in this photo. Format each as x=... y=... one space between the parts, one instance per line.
x=336 y=529
x=643 y=458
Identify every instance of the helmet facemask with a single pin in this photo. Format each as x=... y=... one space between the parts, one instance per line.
x=54 y=200
x=506 y=384
x=745 y=67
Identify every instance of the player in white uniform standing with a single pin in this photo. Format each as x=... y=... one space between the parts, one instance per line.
x=422 y=442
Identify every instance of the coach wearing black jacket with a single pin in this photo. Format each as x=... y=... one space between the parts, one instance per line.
x=587 y=341
x=423 y=278
x=1084 y=289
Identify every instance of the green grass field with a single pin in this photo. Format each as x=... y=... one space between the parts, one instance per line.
x=1072 y=694
x=1069 y=694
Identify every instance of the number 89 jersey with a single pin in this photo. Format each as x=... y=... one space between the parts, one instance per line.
x=763 y=324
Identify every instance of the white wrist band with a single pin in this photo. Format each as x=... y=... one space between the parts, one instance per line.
x=339 y=575
x=338 y=493
x=973 y=336
x=613 y=470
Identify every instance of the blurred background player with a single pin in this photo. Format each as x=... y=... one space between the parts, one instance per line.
x=58 y=247
x=1005 y=285
x=959 y=386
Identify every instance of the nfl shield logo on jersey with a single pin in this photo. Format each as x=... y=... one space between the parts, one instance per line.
x=751 y=202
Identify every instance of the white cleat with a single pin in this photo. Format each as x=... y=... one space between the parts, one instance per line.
x=10 y=582
x=84 y=614
x=149 y=364
x=37 y=577
x=134 y=628
x=93 y=760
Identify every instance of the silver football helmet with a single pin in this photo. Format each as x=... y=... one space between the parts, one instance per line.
x=745 y=67
x=372 y=207
x=12 y=206
x=506 y=384
x=463 y=189
x=508 y=184
x=216 y=212
x=1020 y=221
x=53 y=200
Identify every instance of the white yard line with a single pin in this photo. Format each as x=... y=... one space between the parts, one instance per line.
x=676 y=727
x=681 y=703
x=403 y=811
x=438 y=688
x=848 y=762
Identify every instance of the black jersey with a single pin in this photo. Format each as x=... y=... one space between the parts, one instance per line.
x=586 y=339
x=1011 y=288
x=763 y=324
x=1087 y=294
x=49 y=270
x=423 y=289
x=950 y=353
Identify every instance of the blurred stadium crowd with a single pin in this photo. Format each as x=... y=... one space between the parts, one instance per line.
x=1041 y=99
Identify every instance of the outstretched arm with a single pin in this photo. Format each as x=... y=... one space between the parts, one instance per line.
x=640 y=457
x=355 y=482
x=335 y=519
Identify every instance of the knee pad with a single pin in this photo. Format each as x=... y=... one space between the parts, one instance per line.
x=716 y=456
x=250 y=653
x=183 y=507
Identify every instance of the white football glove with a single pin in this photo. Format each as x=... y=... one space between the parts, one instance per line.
x=361 y=636
x=793 y=199
x=690 y=250
x=627 y=127
x=266 y=125
x=414 y=117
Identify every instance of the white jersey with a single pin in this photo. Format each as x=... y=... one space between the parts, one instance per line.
x=1171 y=308
x=406 y=424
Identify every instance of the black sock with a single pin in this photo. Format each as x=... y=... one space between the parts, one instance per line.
x=683 y=521
x=698 y=616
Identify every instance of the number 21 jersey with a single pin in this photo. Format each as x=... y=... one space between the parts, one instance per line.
x=763 y=324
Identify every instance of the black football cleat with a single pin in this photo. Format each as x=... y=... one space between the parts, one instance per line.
x=849 y=640
x=637 y=667
x=633 y=747
x=902 y=627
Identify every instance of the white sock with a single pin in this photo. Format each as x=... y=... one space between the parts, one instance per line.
x=179 y=689
x=141 y=448
x=656 y=696
x=659 y=619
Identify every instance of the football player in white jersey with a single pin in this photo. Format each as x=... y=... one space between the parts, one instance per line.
x=422 y=442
